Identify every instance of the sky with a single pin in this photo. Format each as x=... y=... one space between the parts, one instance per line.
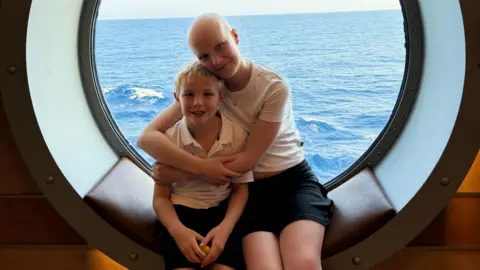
x=136 y=9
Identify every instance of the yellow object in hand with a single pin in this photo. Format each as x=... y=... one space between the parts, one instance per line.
x=205 y=249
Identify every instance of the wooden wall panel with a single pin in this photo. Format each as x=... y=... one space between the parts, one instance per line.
x=423 y=259
x=458 y=225
x=33 y=221
x=14 y=175
x=471 y=183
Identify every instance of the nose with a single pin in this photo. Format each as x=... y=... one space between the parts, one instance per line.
x=198 y=100
x=217 y=61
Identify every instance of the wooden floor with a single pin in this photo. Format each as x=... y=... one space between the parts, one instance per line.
x=54 y=258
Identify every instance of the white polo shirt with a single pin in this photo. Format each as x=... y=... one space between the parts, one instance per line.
x=200 y=194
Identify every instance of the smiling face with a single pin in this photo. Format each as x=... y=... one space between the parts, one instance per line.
x=215 y=45
x=199 y=97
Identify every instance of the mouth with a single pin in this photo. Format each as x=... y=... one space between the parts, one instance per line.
x=198 y=113
x=221 y=68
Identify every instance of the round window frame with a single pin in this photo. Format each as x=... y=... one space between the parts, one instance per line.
x=413 y=32
x=412 y=174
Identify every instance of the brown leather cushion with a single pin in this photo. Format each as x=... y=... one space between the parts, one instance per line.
x=124 y=199
x=361 y=208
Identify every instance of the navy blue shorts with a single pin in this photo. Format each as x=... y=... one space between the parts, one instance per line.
x=201 y=221
x=275 y=202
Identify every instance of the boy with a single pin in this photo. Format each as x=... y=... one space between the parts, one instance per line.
x=189 y=209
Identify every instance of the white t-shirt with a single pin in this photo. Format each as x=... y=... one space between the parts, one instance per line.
x=267 y=97
x=200 y=194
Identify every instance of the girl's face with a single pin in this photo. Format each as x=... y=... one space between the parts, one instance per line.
x=216 y=48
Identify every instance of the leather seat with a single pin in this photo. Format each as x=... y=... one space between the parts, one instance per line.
x=124 y=199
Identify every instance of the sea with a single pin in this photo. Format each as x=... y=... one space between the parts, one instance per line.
x=345 y=70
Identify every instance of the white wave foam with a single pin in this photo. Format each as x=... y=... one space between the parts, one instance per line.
x=140 y=93
x=107 y=89
x=370 y=137
x=315 y=119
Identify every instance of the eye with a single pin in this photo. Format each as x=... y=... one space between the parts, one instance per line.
x=209 y=94
x=187 y=94
x=219 y=46
x=203 y=57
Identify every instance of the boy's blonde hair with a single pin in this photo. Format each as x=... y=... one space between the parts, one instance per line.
x=193 y=70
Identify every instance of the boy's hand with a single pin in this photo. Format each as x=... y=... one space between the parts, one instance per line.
x=186 y=240
x=215 y=169
x=218 y=236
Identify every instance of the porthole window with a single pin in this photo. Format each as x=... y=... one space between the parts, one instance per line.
x=346 y=68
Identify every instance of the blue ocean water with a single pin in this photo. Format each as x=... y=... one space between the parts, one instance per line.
x=345 y=70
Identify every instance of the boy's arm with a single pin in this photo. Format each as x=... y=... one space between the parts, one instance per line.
x=236 y=204
x=163 y=207
x=219 y=235
x=185 y=238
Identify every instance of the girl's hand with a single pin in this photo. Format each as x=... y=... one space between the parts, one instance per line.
x=218 y=236
x=162 y=174
x=241 y=163
x=215 y=169
x=186 y=240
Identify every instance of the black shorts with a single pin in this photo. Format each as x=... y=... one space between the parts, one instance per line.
x=201 y=221
x=275 y=202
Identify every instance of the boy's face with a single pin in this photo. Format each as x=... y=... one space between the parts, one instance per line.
x=199 y=98
x=216 y=48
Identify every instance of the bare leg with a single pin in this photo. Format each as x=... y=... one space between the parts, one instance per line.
x=301 y=245
x=261 y=251
x=218 y=266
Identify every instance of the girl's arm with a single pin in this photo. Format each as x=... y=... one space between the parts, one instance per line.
x=166 y=175
x=155 y=143
x=261 y=137
x=266 y=128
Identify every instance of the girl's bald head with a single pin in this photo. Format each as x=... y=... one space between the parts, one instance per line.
x=207 y=23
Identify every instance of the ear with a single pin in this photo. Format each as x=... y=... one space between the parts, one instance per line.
x=176 y=97
x=221 y=98
x=235 y=35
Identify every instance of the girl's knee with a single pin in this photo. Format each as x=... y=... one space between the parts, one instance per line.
x=217 y=266
x=263 y=261
x=264 y=265
x=306 y=261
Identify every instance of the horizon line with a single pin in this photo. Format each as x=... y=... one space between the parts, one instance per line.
x=247 y=15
